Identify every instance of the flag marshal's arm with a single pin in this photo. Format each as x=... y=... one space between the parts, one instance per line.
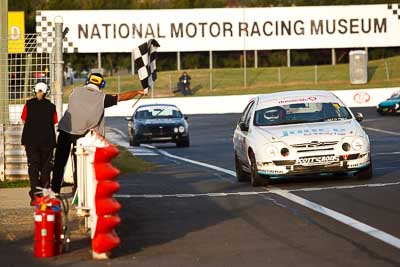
x=129 y=95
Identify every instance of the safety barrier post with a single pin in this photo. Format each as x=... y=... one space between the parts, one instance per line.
x=96 y=186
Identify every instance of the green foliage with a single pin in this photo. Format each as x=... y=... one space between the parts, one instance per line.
x=13 y=184
x=127 y=163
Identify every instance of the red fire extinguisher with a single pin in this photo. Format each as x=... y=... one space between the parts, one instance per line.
x=48 y=227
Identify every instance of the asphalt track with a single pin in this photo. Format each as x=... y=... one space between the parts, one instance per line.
x=190 y=211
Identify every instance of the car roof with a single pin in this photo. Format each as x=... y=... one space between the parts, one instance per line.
x=296 y=94
x=155 y=105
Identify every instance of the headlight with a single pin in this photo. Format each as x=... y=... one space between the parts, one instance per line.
x=377 y=106
x=357 y=144
x=181 y=129
x=272 y=151
x=346 y=147
x=175 y=130
x=396 y=106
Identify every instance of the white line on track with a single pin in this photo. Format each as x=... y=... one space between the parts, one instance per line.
x=382 y=131
x=386 y=153
x=252 y=193
x=342 y=187
x=371 y=231
x=378 y=234
x=165 y=153
x=119 y=132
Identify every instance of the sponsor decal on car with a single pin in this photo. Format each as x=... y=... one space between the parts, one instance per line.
x=320 y=131
x=298 y=100
x=317 y=160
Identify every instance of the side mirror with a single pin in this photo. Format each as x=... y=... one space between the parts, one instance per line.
x=186 y=117
x=359 y=116
x=129 y=118
x=243 y=126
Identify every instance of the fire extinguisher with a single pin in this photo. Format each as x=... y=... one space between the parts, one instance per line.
x=49 y=231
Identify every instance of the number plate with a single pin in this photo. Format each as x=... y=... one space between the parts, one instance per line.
x=317 y=160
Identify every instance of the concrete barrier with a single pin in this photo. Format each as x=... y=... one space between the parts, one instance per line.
x=227 y=104
x=237 y=103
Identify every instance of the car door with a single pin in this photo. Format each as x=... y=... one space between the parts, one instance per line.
x=242 y=132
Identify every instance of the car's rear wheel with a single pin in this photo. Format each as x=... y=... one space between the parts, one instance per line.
x=255 y=178
x=365 y=174
x=240 y=174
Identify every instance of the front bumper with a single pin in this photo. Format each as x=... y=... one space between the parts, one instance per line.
x=388 y=109
x=344 y=164
x=165 y=138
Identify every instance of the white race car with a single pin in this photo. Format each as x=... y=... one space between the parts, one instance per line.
x=299 y=132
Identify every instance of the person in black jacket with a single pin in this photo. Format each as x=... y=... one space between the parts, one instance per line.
x=38 y=136
x=183 y=85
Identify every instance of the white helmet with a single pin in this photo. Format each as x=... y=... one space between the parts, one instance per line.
x=41 y=87
x=271 y=114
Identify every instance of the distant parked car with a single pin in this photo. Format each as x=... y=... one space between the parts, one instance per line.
x=296 y=133
x=390 y=105
x=158 y=123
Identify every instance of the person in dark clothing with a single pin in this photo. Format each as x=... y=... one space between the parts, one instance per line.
x=85 y=112
x=184 y=84
x=38 y=136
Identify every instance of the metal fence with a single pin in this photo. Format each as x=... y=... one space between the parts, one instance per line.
x=21 y=66
x=25 y=67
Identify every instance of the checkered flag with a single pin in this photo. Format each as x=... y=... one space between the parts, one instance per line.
x=145 y=60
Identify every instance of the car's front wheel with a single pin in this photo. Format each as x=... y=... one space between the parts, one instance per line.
x=255 y=178
x=240 y=174
x=183 y=143
x=133 y=142
x=380 y=112
x=365 y=173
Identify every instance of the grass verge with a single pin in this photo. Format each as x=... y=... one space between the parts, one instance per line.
x=128 y=163
x=230 y=81
x=125 y=162
x=14 y=184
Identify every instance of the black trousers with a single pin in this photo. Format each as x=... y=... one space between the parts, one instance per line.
x=40 y=165
x=63 y=149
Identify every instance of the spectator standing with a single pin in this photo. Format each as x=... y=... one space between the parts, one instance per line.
x=38 y=136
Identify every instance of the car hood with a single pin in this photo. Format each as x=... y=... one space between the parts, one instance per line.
x=308 y=132
x=389 y=103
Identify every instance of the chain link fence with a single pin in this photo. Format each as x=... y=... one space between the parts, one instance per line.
x=21 y=67
x=25 y=67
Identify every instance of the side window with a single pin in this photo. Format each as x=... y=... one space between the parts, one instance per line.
x=246 y=111
x=248 y=115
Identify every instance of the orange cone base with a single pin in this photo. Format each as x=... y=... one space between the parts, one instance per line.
x=105 y=242
x=101 y=256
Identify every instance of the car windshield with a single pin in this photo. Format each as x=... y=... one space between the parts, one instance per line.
x=158 y=113
x=395 y=96
x=300 y=113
